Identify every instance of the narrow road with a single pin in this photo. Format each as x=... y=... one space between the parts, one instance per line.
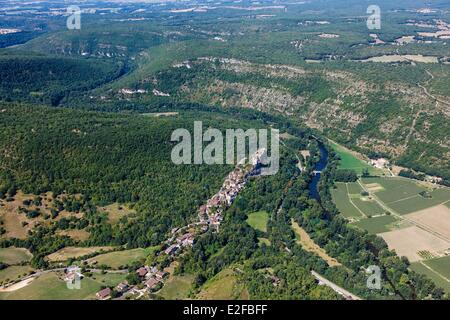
x=335 y=287
x=425 y=90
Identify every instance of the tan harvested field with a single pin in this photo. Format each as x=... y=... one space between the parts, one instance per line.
x=436 y=218
x=75 y=252
x=308 y=244
x=403 y=58
x=410 y=241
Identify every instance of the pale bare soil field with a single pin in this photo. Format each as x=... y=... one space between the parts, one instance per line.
x=410 y=241
x=436 y=218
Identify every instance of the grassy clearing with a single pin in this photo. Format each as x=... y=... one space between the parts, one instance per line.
x=50 y=287
x=342 y=201
x=435 y=277
x=376 y=225
x=14 y=255
x=117 y=259
x=116 y=211
x=74 y=252
x=109 y=279
x=258 y=220
x=308 y=244
x=264 y=241
x=13 y=273
x=223 y=286
x=75 y=234
x=177 y=287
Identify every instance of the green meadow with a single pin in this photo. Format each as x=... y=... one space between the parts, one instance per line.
x=177 y=287
x=13 y=255
x=119 y=259
x=350 y=161
x=258 y=220
x=375 y=225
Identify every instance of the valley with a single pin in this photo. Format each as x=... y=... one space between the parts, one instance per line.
x=89 y=191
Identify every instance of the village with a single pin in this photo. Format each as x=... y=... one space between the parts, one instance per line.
x=210 y=216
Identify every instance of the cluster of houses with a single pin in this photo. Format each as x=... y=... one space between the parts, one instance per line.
x=129 y=91
x=210 y=214
x=152 y=276
x=185 y=240
x=212 y=211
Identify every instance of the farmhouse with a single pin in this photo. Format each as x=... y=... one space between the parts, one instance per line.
x=122 y=287
x=104 y=294
x=141 y=272
x=160 y=275
x=151 y=283
x=379 y=163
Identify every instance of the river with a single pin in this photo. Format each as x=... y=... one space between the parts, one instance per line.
x=313 y=190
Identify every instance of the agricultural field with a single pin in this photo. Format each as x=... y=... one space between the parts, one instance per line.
x=440 y=265
x=223 y=286
x=413 y=242
x=377 y=224
x=14 y=255
x=75 y=252
x=405 y=195
x=435 y=218
x=258 y=220
x=177 y=287
x=119 y=259
x=368 y=206
x=341 y=199
x=437 y=278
